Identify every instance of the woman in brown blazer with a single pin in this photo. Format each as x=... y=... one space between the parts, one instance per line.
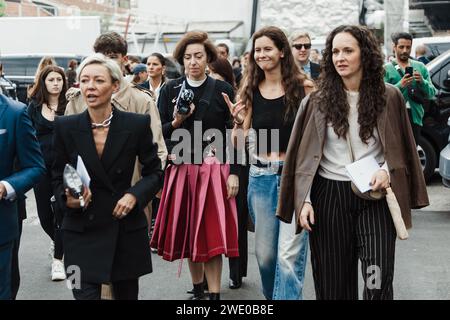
x=352 y=102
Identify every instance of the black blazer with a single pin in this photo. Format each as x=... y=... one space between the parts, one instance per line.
x=107 y=249
x=315 y=70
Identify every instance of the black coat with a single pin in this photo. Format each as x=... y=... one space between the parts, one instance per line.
x=104 y=248
x=315 y=70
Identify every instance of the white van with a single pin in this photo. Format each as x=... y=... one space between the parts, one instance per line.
x=435 y=45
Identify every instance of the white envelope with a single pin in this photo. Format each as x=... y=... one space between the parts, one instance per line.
x=362 y=171
x=82 y=172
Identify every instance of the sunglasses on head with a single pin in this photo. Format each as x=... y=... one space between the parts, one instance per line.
x=300 y=45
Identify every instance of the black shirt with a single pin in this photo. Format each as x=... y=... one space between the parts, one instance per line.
x=214 y=115
x=44 y=132
x=269 y=114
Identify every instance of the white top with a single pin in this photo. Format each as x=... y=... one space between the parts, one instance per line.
x=336 y=154
x=195 y=83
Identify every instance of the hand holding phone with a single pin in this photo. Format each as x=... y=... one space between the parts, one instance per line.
x=409 y=71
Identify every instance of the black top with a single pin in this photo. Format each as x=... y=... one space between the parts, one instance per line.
x=214 y=115
x=269 y=114
x=44 y=132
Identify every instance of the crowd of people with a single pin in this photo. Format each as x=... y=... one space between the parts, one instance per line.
x=186 y=167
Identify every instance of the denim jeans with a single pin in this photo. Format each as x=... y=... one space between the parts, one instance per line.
x=281 y=254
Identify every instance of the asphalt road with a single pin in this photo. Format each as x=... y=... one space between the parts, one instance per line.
x=422 y=266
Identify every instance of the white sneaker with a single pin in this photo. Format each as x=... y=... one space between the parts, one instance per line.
x=58 y=272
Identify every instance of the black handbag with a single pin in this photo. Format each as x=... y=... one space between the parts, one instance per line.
x=416 y=94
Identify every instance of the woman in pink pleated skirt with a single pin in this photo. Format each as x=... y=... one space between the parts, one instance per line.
x=197 y=217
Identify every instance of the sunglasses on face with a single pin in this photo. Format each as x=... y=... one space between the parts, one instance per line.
x=299 y=46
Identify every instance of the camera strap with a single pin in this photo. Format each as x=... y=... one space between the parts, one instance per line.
x=205 y=99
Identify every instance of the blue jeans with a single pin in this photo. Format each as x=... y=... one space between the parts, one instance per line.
x=281 y=254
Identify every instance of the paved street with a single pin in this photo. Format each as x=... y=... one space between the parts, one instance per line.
x=422 y=262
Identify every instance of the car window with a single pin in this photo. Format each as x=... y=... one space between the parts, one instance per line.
x=443 y=74
x=437 y=49
x=19 y=66
x=26 y=66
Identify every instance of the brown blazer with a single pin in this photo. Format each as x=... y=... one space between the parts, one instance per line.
x=305 y=152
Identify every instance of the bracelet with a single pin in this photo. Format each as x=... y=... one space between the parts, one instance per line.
x=238 y=123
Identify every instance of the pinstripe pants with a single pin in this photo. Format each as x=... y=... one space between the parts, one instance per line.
x=348 y=228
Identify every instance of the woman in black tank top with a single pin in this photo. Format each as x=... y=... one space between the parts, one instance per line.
x=270 y=96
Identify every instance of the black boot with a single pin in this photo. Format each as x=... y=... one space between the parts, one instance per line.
x=205 y=287
x=198 y=291
x=214 y=296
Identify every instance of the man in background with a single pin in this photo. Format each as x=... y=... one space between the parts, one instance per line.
x=301 y=49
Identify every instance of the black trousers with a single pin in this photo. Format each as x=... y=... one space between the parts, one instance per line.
x=348 y=228
x=15 y=272
x=50 y=221
x=416 y=129
x=122 y=290
x=238 y=266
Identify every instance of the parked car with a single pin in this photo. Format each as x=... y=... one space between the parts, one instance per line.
x=435 y=130
x=435 y=46
x=8 y=88
x=444 y=161
x=21 y=69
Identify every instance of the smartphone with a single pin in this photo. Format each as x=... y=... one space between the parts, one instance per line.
x=409 y=70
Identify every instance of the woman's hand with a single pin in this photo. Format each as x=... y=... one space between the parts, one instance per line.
x=380 y=180
x=306 y=216
x=75 y=203
x=124 y=206
x=178 y=118
x=238 y=110
x=232 y=186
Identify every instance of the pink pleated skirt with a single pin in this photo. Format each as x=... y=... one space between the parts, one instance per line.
x=195 y=219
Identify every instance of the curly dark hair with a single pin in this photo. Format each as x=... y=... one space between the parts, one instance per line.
x=331 y=96
x=291 y=75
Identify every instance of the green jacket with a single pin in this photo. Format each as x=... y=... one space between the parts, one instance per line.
x=392 y=76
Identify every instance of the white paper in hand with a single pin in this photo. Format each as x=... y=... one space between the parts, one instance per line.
x=362 y=171
x=82 y=172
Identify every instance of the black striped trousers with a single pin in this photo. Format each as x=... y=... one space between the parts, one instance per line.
x=348 y=228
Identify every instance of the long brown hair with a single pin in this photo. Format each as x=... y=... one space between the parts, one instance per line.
x=331 y=96
x=39 y=94
x=291 y=76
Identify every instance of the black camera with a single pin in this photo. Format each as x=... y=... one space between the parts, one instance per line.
x=184 y=100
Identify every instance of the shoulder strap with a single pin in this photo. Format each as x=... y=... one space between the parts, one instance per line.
x=207 y=94
x=397 y=67
x=350 y=149
x=205 y=99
